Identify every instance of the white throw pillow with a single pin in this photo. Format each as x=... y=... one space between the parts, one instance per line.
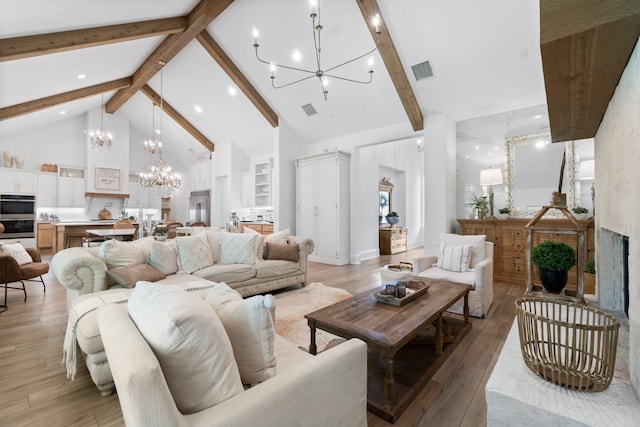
x=454 y=257
x=478 y=252
x=118 y=254
x=213 y=240
x=238 y=248
x=164 y=257
x=194 y=253
x=17 y=252
x=260 y=245
x=281 y=237
x=250 y=328
x=190 y=343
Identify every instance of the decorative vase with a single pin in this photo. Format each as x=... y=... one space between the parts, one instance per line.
x=8 y=159
x=553 y=281
x=393 y=220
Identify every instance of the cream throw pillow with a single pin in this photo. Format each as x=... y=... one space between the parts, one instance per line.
x=478 y=252
x=17 y=252
x=454 y=257
x=190 y=343
x=260 y=245
x=164 y=257
x=281 y=237
x=238 y=248
x=250 y=328
x=118 y=254
x=194 y=253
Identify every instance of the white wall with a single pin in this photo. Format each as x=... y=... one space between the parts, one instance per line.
x=617 y=153
x=62 y=143
x=287 y=147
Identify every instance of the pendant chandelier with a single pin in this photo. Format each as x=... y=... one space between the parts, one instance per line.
x=160 y=180
x=323 y=75
x=100 y=138
x=152 y=145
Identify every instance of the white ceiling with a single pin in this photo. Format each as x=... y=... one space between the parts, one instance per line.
x=485 y=56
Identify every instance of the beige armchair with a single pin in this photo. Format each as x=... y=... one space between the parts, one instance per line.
x=479 y=273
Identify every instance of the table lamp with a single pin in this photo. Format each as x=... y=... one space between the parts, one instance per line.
x=491 y=177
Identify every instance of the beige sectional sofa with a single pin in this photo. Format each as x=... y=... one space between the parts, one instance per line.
x=295 y=388
x=90 y=275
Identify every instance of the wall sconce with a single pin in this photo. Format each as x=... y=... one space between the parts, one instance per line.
x=419 y=145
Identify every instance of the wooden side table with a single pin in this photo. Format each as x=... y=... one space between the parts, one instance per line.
x=392 y=240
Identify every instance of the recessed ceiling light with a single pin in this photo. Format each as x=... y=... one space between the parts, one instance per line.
x=496 y=147
x=197 y=108
x=466 y=157
x=63 y=112
x=232 y=91
x=158 y=131
x=540 y=143
x=297 y=56
x=477 y=147
x=81 y=76
x=537 y=116
x=490 y=154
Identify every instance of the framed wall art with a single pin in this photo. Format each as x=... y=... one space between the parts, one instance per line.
x=108 y=179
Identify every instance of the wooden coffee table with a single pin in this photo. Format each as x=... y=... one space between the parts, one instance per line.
x=388 y=330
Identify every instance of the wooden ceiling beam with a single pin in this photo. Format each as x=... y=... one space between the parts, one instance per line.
x=391 y=59
x=238 y=78
x=42 y=44
x=198 y=19
x=51 y=101
x=585 y=47
x=171 y=112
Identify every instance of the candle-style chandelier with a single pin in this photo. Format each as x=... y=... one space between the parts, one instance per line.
x=160 y=180
x=152 y=145
x=323 y=75
x=100 y=138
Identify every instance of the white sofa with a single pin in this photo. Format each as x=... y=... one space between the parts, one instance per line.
x=82 y=271
x=479 y=274
x=329 y=389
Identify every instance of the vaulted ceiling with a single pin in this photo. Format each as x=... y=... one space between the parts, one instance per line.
x=485 y=57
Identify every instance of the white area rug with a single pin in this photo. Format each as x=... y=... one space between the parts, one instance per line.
x=291 y=306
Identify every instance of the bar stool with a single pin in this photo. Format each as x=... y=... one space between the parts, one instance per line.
x=70 y=235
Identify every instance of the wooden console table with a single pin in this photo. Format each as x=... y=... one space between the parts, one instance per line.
x=509 y=237
x=392 y=240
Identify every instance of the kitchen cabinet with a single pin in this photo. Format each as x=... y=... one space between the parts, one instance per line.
x=200 y=176
x=259 y=227
x=322 y=205
x=509 y=237
x=14 y=181
x=45 y=236
x=71 y=187
x=46 y=196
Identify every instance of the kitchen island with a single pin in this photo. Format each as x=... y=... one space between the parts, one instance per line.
x=262 y=227
x=77 y=228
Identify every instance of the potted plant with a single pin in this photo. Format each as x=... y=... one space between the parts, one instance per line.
x=579 y=212
x=480 y=206
x=503 y=213
x=393 y=218
x=161 y=233
x=553 y=259
x=590 y=277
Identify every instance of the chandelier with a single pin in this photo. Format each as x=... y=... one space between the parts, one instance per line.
x=151 y=145
x=321 y=74
x=160 y=180
x=100 y=138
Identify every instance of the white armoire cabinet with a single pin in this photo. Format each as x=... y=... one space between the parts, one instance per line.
x=322 y=205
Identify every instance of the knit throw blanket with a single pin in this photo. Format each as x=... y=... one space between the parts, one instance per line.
x=82 y=308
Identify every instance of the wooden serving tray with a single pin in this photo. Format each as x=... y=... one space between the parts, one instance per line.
x=415 y=288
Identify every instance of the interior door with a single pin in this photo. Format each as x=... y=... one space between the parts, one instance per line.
x=306 y=200
x=327 y=208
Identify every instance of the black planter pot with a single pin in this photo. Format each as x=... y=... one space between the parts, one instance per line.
x=553 y=281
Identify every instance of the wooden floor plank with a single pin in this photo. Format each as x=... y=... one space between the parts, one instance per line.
x=35 y=391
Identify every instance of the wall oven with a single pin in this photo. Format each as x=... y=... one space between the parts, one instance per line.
x=18 y=215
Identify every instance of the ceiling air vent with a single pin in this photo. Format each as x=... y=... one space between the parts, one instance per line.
x=308 y=108
x=422 y=70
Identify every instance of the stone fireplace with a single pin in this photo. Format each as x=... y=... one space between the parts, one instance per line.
x=613 y=271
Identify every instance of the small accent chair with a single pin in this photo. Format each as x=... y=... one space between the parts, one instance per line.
x=198 y=224
x=172 y=226
x=124 y=223
x=13 y=272
x=453 y=250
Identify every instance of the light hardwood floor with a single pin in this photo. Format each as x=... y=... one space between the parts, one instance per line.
x=34 y=389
